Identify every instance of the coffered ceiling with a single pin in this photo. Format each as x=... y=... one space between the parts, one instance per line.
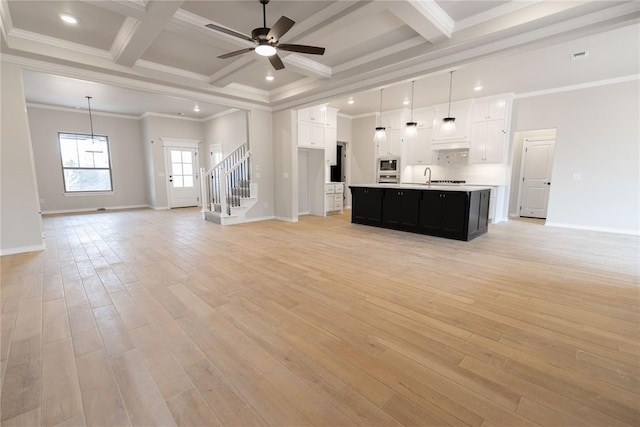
x=162 y=49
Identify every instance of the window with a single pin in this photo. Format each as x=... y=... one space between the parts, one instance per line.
x=182 y=168
x=85 y=162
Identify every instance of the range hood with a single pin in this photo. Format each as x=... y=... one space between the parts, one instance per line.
x=450 y=145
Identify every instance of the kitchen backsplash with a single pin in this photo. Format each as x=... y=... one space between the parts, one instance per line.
x=476 y=174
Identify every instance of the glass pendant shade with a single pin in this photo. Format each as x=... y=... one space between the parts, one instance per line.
x=411 y=127
x=381 y=132
x=448 y=126
x=448 y=123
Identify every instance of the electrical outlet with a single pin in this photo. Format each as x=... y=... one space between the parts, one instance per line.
x=576 y=177
x=285 y=175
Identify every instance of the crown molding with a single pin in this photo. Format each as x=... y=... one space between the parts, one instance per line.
x=169 y=116
x=579 y=86
x=57 y=43
x=79 y=111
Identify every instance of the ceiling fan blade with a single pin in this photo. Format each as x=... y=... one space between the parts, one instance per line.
x=236 y=53
x=276 y=62
x=313 y=50
x=228 y=31
x=279 y=29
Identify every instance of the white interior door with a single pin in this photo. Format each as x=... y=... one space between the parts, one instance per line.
x=537 y=161
x=182 y=167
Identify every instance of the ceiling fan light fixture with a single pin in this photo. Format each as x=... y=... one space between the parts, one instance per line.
x=265 y=50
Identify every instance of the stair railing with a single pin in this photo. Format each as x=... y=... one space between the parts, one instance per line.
x=227 y=182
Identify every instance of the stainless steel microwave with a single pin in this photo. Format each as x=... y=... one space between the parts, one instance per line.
x=388 y=164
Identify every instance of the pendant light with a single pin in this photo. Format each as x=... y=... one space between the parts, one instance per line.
x=449 y=123
x=381 y=134
x=411 y=127
x=90 y=118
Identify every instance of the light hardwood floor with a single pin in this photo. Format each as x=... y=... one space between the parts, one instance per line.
x=158 y=317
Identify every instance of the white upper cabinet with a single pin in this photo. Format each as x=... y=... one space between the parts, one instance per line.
x=393 y=119
x=331 y=135
x=424 y=117
x=460 y=111
x=490 y=109
x=392 y=145
x=417 y=148
x=488 y=139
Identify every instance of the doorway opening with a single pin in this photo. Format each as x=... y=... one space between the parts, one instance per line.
x=340 y=172
x=536 y=165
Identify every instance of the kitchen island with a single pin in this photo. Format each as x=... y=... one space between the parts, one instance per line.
x=450 y=211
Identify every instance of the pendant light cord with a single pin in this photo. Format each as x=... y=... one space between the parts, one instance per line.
x=450 y=86
x=380 y=118
x=412 y=84
x=90 y=118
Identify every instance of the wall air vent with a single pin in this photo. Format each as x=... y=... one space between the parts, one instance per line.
x=579 y=55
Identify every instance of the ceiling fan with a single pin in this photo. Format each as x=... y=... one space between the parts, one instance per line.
x=267 y=40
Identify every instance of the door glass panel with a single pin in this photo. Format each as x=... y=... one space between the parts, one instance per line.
x=176 y=156
x=188 y=181
x=187 y=169
x=176 y=169
x=186 y=157
x=177 y=182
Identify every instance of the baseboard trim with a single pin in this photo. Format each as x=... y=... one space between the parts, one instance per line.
x=160 y=208
x=588 y=228
x=110 y=208
x=285 y=219
x=257 y=219
x=22 y=249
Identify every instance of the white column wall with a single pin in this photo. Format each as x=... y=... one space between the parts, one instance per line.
x=20 y=222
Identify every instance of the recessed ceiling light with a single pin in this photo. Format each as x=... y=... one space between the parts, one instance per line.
x=270 y=78
x=350 y=101
x=406 y=102
x=196 y=109
x=68 y=19
x=478 y=88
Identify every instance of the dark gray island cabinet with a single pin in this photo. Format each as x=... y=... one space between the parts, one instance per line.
x=454 y=212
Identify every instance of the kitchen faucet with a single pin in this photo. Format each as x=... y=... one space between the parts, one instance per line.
x=425 y=174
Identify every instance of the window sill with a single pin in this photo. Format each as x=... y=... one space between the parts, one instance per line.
x=89 y=193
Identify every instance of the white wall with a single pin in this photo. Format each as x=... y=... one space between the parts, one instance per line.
x=344 y=129
x=598 y=137
x=154 y=128
x=229 y=130
x=285 y=165
x=262 y=144
x=363 y=150
x=20 y=222
x=128 y=171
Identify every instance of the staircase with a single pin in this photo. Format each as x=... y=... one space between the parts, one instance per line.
x=226 y=189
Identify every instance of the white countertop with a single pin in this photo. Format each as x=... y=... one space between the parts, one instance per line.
x=440 y=187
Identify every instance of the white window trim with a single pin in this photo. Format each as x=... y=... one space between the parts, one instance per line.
x=177 y=142
x=89 y=193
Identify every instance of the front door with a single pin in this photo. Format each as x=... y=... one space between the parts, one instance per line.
x=537 y=161
x=183 y=188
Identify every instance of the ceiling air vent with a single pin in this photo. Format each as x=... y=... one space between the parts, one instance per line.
x=579 y=55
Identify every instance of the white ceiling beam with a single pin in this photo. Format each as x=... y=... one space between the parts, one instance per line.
x=225 y=75
x=132 y=8
x=425 y=17
x=135 y=38
x=306 y=66
x=193 y=26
